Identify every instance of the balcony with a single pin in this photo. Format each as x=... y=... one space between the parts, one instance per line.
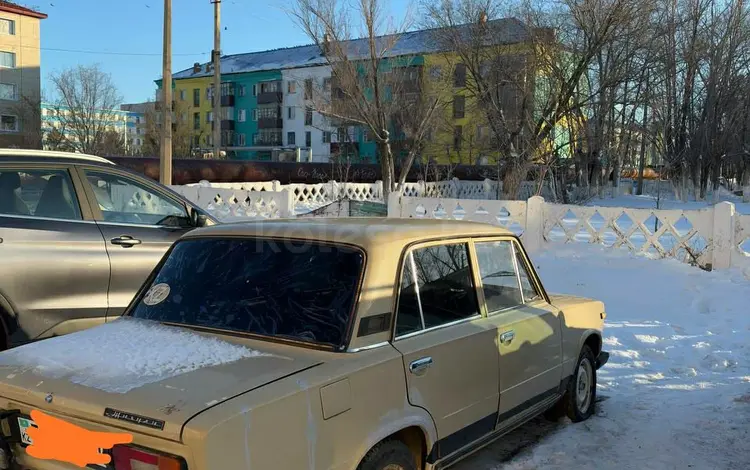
x=270 y=97
x=227 y=125
x=227 y=100
x=270 y=123
x=268 y=142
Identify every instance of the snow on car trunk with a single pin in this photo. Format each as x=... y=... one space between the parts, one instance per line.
x=676 y=390
x=143 y=368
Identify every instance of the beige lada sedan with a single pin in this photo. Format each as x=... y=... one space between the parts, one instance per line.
x=372 y=344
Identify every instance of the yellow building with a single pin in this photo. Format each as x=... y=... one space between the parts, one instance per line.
x=192 y=98
x=19 y=76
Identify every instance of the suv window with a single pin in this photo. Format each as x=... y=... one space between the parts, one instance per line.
x=257 y=286
x=436 y=288
x=39 y=193
x=498 y=272
x=124 y=200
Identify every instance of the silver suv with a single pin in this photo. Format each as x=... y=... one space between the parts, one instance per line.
x=78 y=236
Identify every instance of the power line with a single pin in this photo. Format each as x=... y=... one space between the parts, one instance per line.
x=138 y=54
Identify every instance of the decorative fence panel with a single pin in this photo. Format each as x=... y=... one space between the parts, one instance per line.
x=709 y=238
x=230 y=205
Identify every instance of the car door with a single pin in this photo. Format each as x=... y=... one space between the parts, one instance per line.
x=449 y=349
x=528 y=327
x=54 y=269
x=139 y=222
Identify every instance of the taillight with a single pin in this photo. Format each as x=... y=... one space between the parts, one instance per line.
x=131 y=458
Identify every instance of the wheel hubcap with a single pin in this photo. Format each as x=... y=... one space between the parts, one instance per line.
x=583 y=385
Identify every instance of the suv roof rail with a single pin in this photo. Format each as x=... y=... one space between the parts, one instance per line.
x=6 y=152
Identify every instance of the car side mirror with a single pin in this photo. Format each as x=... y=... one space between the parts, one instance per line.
x=196 y=218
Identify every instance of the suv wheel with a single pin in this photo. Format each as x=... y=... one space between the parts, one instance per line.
x=388 y=455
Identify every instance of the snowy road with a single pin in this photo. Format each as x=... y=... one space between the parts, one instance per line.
x=676 y=391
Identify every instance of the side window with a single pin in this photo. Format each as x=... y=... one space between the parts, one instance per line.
x=498 y=272
x=527 y=286
x=122 y=200
x=39 y=193
x=436 y=288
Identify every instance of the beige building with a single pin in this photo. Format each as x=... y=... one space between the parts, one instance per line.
x=19 y=76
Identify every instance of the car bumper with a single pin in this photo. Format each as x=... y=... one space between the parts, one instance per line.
x=602 y=359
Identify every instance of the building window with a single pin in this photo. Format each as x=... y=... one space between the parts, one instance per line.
x=241 y=91
x=326 y=137
x=459 y=105
x=308 y=139
x=291 y=138
x=196 y=121
x=459 y=76
x=327 y=84
x=210 y=140
x=308 y=116
x=210 y=116
x=458 y=132
x=308 y=88
x=7 y=27
x=241 y=140
x=8 y=123
x=182 y=95
x=242 y=115
x=291 y=86
x=8 y=91
x=196 y=141
x=255 y=90
x=196 y=96
x=366 y=135
x=255 y=114
x=7 y=60
x=290 y=113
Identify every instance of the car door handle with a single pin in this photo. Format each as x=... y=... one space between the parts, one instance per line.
x=420 y=366
x=126 y=241
x=507 y=337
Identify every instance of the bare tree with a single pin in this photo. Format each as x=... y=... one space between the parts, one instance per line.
x=373 y=86
x=86 y=106
x=183 y=134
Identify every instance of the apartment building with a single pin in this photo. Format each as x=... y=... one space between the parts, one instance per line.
x=19 y=75
x=269 y=102
x=54 y=119
x=136 y=126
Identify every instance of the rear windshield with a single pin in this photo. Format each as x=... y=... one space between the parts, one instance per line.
x=303 y=292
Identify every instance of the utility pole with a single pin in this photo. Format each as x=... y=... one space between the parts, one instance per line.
x=217 y=78
x=165 y=157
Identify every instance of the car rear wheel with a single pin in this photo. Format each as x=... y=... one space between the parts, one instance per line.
x=389 y=455
x=578 y=401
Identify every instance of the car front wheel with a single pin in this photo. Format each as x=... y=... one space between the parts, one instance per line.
x=389 y=455
x=580 y=396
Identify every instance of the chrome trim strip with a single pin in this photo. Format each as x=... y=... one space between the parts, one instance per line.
x=439 y=327
x=124 y=224
x=369 y=347
x=52 y=219
x=515 y=266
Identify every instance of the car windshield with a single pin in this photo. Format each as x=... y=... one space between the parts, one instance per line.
x=294 y=290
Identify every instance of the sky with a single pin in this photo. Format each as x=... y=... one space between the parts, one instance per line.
x=125 y=36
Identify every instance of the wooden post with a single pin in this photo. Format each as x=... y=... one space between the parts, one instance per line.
x=165 y=157
x=217 y=79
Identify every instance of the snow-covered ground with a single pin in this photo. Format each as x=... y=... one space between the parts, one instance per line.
x=676 y=391
x=668 y=201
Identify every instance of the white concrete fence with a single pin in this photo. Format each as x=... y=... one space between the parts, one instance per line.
x=715 y=237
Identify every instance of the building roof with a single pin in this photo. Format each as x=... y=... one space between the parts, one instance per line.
x=504 y=31
x=360 y=231
x=11 y=7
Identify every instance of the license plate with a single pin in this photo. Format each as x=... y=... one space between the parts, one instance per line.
x=23 y=426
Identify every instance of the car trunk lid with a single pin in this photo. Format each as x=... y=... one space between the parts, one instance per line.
x=119 y=386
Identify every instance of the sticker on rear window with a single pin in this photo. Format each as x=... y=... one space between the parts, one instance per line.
x=157 y=294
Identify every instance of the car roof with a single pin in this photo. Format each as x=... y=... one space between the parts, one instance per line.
x=24 y=154
x=360 y=231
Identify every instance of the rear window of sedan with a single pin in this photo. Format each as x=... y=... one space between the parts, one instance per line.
x=298 y=290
